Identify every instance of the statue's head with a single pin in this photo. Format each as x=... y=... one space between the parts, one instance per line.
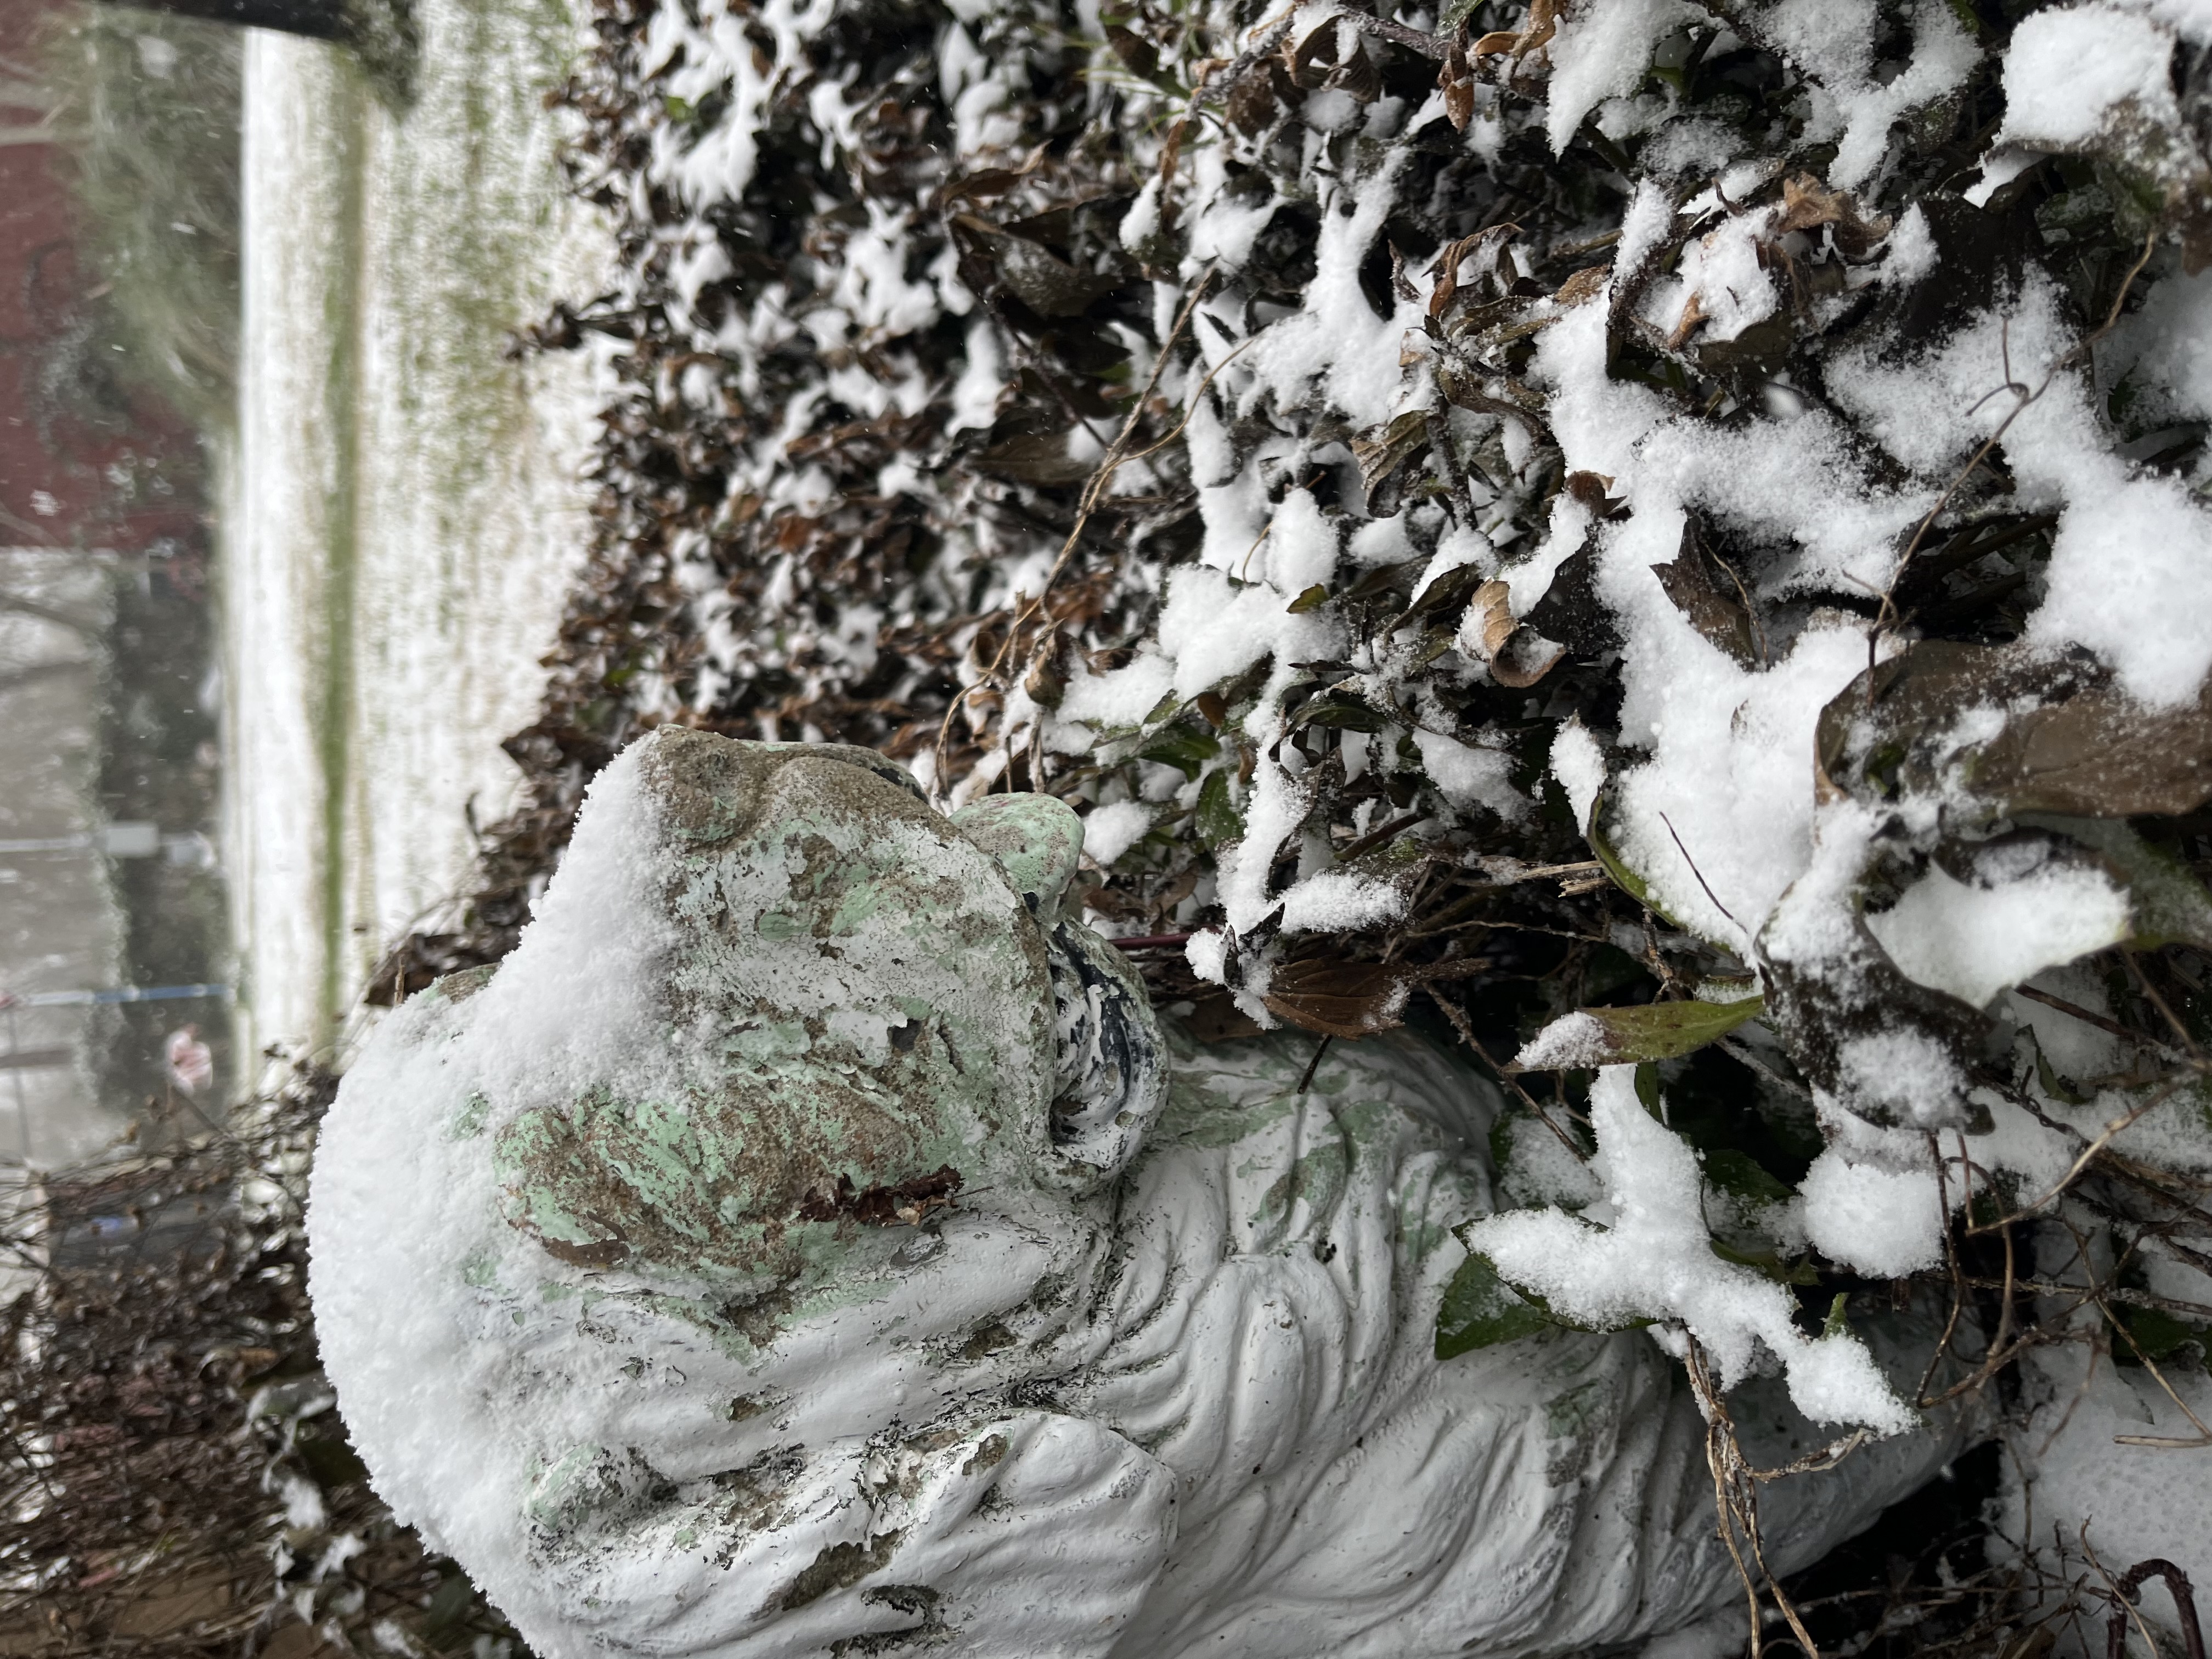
x=791 y=1079
x=847 y=1018
x=774 y=1008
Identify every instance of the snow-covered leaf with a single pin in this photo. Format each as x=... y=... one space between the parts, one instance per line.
x=1481 y=1310
x=2025 y=732
x=1614 y=1036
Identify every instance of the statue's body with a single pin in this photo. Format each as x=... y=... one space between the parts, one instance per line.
x=808 y=1242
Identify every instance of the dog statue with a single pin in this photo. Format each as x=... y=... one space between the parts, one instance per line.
x=809 y=1241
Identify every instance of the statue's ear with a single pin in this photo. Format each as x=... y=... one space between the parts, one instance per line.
x=1037 y=839
x=1112 y=1063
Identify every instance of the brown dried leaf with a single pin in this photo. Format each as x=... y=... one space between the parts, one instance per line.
x=1525 y=657
x=1215 y=1018
x=1720 y=621
x=1594 y=490
x=1455 y=79
x=1381 y=452
x=1047 y=284
x=2103 y=755
x=1543 y=24
x=1309 y=61
x=1693 y=312
x=1349 y=999
x=1492 y=612
x=2081 y=746
x=1464 y=387
x=1445 y=267
x=1807 y=206
x=1047 y=679
x=990 y=181
x=1138 y=55
x=1585 y=284
x=1037 y=460
x=1517 y=654
x=1251 y=105
x=1358 y=76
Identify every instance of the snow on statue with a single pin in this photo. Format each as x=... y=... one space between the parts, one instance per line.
x=808 y=1242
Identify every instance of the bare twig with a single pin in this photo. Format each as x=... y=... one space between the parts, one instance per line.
x=2103 y=1023
x=1467 y=1035
x=1735 y=1498
x=1093 y=492
x=1888 y=617
x=2117 y=1126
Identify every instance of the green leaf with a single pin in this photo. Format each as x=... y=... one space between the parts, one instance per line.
x=1339 y=714
x=1185 y=747
x=2154 y=1334
x=1434 y=644
x=1742 y=1177
x=330 y=1460
x=1647 y=1090
x=1443 y=599
x=1769 y=1262
x=1162 y=709
x=1617 y=1036
x=2167 y=904
x=1216 y=821
x=2059 y=1088
x=1481 y=1310
x=1312 y=600
x=1608 y=970
x=1835 y=1324
x=1623 y=878
x=449 y=1603
x=1969 y=20
x=1720 y=989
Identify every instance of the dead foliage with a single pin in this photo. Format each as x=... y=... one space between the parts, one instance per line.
x=173 y=1479
x=899 y=604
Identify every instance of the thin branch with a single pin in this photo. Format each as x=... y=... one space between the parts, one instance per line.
x=1088 y=502
x=2073 y=1171
x=1888 y=617
x=1459 y=1023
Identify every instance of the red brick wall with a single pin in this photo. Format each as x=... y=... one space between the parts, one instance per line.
x=54 y=485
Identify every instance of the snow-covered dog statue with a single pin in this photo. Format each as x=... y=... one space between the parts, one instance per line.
x=808 y=1242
